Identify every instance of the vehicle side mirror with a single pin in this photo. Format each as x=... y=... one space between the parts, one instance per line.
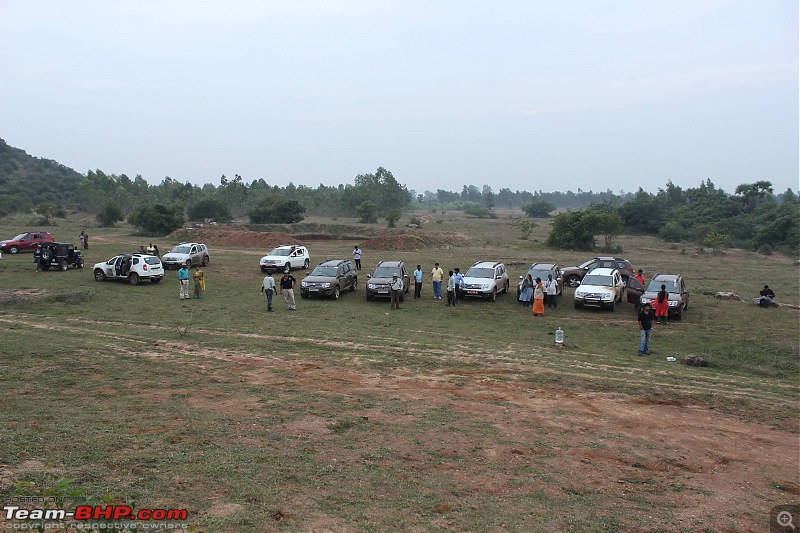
x=520 y=277
x=498 y=277
x=369 y=276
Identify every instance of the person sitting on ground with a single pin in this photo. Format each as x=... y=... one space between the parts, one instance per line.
x=767 y=295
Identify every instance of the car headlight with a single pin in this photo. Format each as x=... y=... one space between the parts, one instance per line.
x=673 y=303
x=487 y=286
x=579 y=294
x=645 y=301
x=303 y=284
x=370 y=285
x=606 y=296
x=326 y=285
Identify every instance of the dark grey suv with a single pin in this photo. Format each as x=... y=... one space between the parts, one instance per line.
x=330 y=278
x=379 y=282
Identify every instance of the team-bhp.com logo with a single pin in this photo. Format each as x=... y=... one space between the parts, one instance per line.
x=89 y=513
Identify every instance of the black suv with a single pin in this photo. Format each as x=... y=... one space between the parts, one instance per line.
x=574 y=275
x=57 y=254
x=329 y=278
x=379 y=283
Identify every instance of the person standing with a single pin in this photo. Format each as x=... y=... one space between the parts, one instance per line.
x=645 y=328
x=183 y=277
x=357 y=256
x=436 y=276
x=82 y=239
x=459 y=283
x=639 y=277
x=268 y=288
x=451 y=289
x=526 y=291
x=397 y=291
x=552 y=287
x=538 y=298
x=662 y=306
x=418 y=282
x=199 y=278
x=287 y=289
x=156 y=252
x=85 y=240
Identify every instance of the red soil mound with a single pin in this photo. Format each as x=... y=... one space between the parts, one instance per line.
x=231 y=236
x=414 y=240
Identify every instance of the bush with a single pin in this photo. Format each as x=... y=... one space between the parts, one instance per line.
x=415 y=220
x=157 y=219
x=673 y=231
x=109 y=215
x=209 y=208
x=480 y=212
x=275 y=211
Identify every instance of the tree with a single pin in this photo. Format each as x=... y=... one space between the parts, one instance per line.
x=525 y=226
x=273 y=210
x=488 y=199
x=209 y=208
x=392 y=217
x=46 y=210
x=368 y=212
x=157 y=219
x=109 y=215
x=480 y=212
x=578 y=229
x=539 y=209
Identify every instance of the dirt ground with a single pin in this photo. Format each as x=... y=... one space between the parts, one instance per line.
x=232 y=236
x=708 y=466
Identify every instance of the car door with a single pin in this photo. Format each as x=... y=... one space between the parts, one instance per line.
x=193 y=255
x=559 y=281
x=685 y=294
x=296 y=258
x=634 y=290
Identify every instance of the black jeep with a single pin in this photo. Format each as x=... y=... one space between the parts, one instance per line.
x=57 y=254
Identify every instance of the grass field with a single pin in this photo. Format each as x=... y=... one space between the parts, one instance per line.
x=344 y=416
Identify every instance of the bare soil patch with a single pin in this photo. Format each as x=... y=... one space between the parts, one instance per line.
x=232 y=236
x=413 y=240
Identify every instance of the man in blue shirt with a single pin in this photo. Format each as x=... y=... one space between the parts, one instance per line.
x=183 y=277
x=459 y=284
x=418 y=282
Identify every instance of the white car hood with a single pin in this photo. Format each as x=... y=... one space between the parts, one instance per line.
x=172 y=256
x=593 y=289
x=281 y=259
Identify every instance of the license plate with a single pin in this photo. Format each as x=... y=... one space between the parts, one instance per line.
x=314 y=289
x=472 y=292
x=383 y=292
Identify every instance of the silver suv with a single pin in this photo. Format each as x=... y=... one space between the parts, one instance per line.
x=485 y=279
x=186 y=253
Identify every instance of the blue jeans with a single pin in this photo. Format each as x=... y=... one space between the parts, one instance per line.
x=269 y=292
x=644 y=340
x=437 y=289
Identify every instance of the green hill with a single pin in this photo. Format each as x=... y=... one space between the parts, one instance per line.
x=26 y=181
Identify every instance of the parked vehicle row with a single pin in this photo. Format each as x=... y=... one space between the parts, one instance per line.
x=600 y=282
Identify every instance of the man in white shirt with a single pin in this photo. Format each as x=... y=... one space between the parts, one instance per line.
x=552 y=287
x=357 y=257
x=397 y=290
x=268 y=288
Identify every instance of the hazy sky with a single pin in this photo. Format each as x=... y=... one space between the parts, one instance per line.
x=537 y=94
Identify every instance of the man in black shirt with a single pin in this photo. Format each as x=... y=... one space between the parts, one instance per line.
x=287 y=289
x=645 y=328
x=767 y=295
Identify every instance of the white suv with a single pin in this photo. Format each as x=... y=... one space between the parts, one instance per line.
x=485 y=279
x=286 y=256
x=186 y=253
x=601 y=287
x=130 y=267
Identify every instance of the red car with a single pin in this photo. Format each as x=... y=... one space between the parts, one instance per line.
x=25 y=242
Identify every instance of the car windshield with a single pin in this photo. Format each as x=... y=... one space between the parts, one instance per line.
x=539 y=274
x=328 y=272
x=280 y=251
x=655 y=286
x=18 y=237
x=180 y=250
x=480 y=273
x=385 y=272
x=597 y=281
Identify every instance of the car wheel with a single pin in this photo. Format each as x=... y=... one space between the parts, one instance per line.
x=369 y=298
x=303 y=295
x=13 y=250
x=46 y=266
x=613 y=306
x=305 y=264
x=679 y=314
x=188 y=263
x=80 y=263
x=63 y=265
x=508 y=284
x=287 y=266
x=133 y=279
x=355 y=284
x=577 y=305
x=99 y=275
x=205 y=260
x=155 y=280
x=573 y=281
x=45 y=255
x=494 y=295
x=335 y=295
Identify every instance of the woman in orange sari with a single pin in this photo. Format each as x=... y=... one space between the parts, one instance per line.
x=538 y=298
x=661 y=306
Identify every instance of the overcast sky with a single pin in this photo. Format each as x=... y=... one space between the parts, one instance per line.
x=529 y=95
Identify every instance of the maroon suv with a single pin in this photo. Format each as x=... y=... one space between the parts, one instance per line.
x=25 y=242
x=574 y=275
